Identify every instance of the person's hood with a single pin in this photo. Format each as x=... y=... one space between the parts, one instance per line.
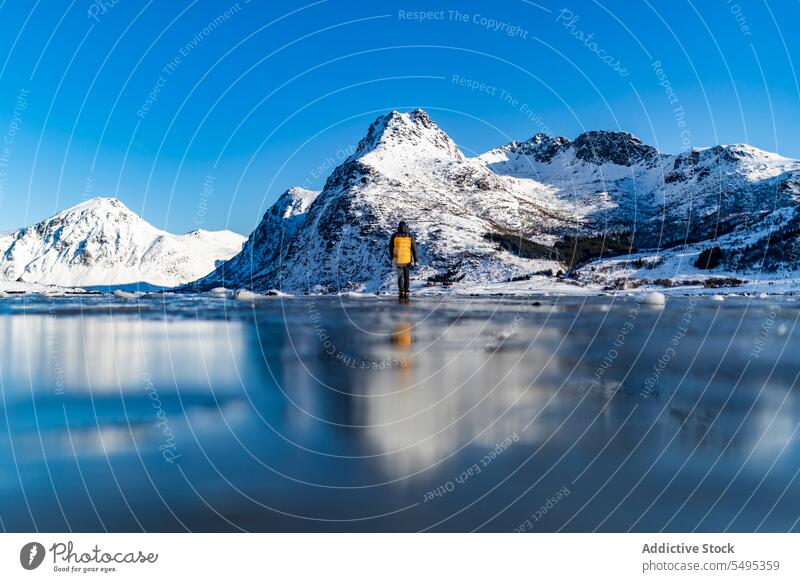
x=402 y=228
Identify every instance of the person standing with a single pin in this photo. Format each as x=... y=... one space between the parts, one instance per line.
x=403 y=253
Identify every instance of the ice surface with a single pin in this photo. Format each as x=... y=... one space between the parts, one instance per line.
x=343 y=413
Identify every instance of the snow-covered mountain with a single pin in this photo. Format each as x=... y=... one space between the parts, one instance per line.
x=670 y=210
x=613 y=182
x=102 y=242
x=405 y=168
x=545 y=204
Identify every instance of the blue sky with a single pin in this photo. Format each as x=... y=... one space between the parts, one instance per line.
x=247 y=99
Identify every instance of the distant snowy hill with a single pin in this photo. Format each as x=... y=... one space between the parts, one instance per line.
x=102 y=242
x=543 y=205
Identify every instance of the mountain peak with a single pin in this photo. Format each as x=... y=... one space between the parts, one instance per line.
x=743 y=151
x=540 y=137
x=421 y=116
x=413 y=133
x=294 y=201
x=616 y=147
x=541 y=146
x=101 y=204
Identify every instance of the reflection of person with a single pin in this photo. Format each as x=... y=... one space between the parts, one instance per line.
x=402 y=336
x=403 y=339
x=403 y=253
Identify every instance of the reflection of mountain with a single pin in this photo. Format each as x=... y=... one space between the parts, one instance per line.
x=471 y=383
x=543 y=204
x=79 y=355
x=408 y=395
x=445 y=404
x=98 y=387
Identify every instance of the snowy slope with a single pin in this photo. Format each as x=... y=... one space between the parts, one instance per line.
x=102 y=242
x=549 y=203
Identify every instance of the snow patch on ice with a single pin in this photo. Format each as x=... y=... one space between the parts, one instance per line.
x=654 y=298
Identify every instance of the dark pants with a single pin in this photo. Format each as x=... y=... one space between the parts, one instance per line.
x=402 y=277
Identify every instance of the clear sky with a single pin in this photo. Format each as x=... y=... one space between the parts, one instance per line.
x=200 y=113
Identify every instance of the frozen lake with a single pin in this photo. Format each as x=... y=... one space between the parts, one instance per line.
x=354 y=413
